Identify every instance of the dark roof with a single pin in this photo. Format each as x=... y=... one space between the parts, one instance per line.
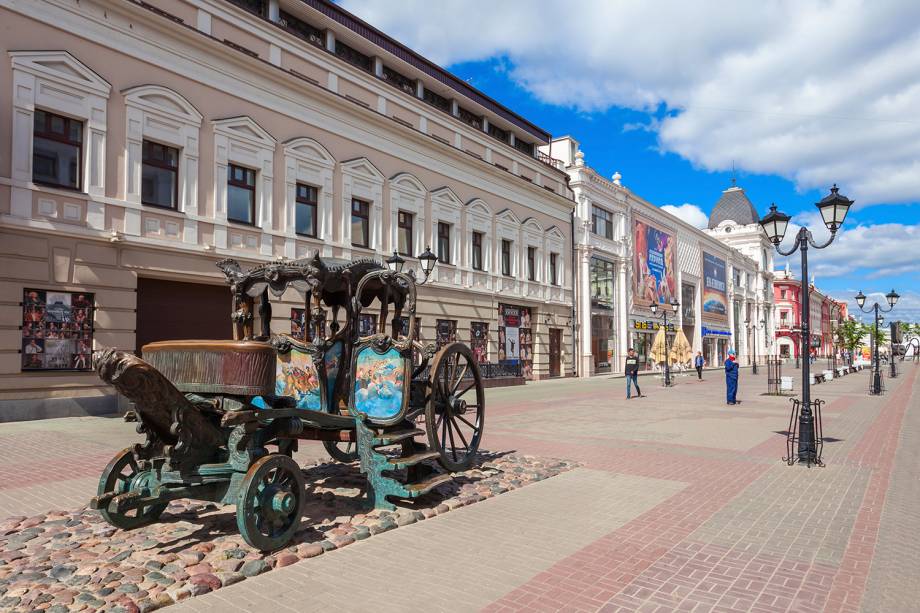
x=375 y=36
x=735 y=206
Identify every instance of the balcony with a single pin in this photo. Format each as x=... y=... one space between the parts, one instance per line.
x=551 y=162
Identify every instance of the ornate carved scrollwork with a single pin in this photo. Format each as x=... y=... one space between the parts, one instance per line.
x=170 y=420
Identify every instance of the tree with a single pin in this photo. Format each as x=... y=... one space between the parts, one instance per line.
x=849 y=335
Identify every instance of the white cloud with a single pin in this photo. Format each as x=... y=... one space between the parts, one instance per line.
x=907 y=308
x=884 y=250
x=816 y=91
x=690 y=213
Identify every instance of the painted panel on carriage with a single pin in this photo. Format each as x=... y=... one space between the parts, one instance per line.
x=296 y=376
x=333 y=360
x=379 y=382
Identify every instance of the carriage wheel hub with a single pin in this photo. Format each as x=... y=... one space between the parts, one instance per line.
x=283 y=502
x=458 y=405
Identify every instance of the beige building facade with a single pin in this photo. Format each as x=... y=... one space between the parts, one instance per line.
x=144 y=142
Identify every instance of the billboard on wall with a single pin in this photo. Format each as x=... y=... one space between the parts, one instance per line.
x=715 y=295
x=654 y=274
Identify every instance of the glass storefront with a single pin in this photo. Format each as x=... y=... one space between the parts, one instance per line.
x=603 y=335
x=642 y=337
x=603 y=342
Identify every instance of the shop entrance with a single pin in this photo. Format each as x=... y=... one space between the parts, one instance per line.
x=169 y=310
x=555 y=352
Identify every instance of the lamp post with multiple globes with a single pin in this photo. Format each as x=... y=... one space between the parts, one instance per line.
x=876 y=309
x=675 y=306
x=833 y=209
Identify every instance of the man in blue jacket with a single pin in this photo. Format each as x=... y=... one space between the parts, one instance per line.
x=731 y=379
x=698 y=363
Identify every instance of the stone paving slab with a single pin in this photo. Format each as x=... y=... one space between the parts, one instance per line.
x=465 y=560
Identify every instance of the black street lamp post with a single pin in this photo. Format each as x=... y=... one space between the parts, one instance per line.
x=892 y=298
x=675 y=307
x=833 y=208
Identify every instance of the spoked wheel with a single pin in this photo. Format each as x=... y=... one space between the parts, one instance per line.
x=456 y=407
x=123 y=475
x=270 y=503
x=342 y=451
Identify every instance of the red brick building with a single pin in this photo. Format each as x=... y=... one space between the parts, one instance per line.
x=825 y=315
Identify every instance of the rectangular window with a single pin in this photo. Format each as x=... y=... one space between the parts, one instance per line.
x=523 y=146
x=404 y=231
x=444 y=242
x=437 y=101
x=57 y=150
x=398 y=80
x=506 y=257
x=469 y=118
x=602 y=222
x=241 y=194
x=782 y=294
x=477 y=251
x=479 y=341
x=445 y=331
x=499 y=134
x=532 y=263
x=160 y=175
x=304 y=30
x=553 y=269
x=305 y=211
x=360 y=223
x=354 y=57
x=253 y=6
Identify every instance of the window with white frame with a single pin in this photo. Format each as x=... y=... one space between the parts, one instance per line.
x=507 y=270
x=553 y=243
x=161 y=154
x=531 y=263
x=602 y=222
x=478 y=227
x=404 y=233
x=407 y=215
x=70 y=150
x=444 y=232
x=244 y=156
x=308 y=179
x=554 y=269
x=306 y=211
x=362 y=197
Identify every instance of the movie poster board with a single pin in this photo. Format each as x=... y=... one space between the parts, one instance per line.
x=515 y=338
x=57 y=330
x=715 y=289
x=654 y=271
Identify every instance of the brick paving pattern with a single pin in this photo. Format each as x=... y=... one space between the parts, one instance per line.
x=682 y=504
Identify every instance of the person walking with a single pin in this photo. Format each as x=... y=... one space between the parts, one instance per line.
x=731 y=379
x=632 y=373
x=698 y=362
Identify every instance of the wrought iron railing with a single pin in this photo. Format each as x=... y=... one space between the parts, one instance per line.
x=487 y=370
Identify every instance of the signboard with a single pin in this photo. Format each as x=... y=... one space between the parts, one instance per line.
x=515 y=340
x=654 y=274
x=712 y=332
x=651 y=325
x=715 y=295
x=57 y=330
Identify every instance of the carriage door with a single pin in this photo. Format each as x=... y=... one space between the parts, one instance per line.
x=555 y=351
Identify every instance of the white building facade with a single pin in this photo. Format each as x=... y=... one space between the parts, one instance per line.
x=630 y=253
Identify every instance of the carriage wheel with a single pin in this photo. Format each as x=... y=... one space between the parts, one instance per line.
x=270 y=502
x=342 y=451
x=456 y=407
x=123 y=475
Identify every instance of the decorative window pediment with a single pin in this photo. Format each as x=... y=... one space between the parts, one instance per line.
x=478 y=207
x=364 y=168
x=408 y=183
x=245 y=128
x=160 y=100
x=62 y=67
x=308 y=149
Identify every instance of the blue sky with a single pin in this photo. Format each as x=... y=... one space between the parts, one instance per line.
x=673 y=104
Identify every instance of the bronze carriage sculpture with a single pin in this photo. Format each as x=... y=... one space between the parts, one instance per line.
x=223 y=418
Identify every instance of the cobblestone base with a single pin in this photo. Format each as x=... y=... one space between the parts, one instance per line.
x=75 y=561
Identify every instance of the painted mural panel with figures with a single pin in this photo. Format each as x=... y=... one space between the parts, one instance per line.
x=296 y=376
x=333 y=361
x=379 y=383
x=57 y=330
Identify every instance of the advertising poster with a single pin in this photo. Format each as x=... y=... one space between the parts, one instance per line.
x=715 y=296
x=512 y=344
x=57 y=330
x=515 y=339
x=654 y=274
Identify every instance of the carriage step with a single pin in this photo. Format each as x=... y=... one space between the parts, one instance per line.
x=384 y=437
x=423 y=487
x=413 y=459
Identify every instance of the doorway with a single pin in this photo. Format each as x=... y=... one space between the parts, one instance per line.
x=555 y=352
x=170 y=310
